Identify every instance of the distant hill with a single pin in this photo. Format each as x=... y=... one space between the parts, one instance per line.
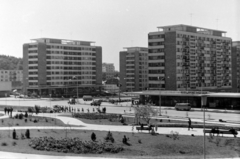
x=10 y=63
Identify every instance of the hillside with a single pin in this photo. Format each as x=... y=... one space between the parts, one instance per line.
x=10 y=63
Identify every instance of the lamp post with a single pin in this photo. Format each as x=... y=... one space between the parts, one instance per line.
x=74 y=77
x=204 y=103
x=119 y=86
x=160 y=79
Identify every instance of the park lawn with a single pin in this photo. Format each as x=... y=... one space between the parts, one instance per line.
x=42 y=121
x=151 y=146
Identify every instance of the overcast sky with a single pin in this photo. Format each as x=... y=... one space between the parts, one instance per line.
x=112 y=24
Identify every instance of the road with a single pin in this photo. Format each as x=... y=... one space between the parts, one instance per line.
x=122 y=108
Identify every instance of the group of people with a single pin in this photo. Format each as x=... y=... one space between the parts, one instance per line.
x=77 y=110
x=8 y=111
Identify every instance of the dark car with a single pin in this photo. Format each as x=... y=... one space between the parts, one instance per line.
x=72 y=101
x=96 y=103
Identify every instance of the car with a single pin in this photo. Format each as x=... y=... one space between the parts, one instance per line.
x=96 y=102
x=183 y=106
x=72 y=101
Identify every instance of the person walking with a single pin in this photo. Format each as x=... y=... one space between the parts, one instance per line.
x=189 y=124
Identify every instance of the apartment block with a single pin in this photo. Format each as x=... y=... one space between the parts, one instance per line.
x=236 y=66
x=182 y=57
x=13 y=76
x=108 y=70
x=59 y=66
x=133 y=68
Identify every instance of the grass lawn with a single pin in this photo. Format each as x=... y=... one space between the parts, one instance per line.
x=41 y=121
x=150 y=146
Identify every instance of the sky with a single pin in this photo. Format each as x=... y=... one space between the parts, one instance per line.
x=112 y=24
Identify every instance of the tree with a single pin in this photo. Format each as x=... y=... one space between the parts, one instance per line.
x=145 y=112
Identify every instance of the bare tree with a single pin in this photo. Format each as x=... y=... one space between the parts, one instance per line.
x=145 y=112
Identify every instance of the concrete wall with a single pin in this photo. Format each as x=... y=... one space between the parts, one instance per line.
x=99 y=65
x=25 y=68
x=170 y=61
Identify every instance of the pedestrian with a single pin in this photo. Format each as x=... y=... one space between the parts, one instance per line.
x=93 y=110
x=82 y=110
x=156 y=127
x=189 y=124
x=5 y=110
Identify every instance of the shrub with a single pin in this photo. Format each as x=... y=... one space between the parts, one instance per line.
x=109 y=137
x=14 y=143
x=175 y=135
x=93 y=137
x=4 y=144
x=218 y=141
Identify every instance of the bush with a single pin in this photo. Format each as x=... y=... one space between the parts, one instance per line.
x=72 y=145
x=4 y=144
x=14 y=143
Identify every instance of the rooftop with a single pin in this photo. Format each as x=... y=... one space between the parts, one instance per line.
x=63 y=41
x=183 y=25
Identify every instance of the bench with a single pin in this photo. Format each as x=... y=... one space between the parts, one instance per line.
x=144 y=128
x=221 y=132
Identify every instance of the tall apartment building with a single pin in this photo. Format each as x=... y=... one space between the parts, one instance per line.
x=236 y=66
x=182 y=57
x=133 y=68
x=13 y=76
x=57 y=66
x=108 y=70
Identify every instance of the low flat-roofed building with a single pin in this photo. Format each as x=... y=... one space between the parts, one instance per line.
x=215 y=100
x=5 y=88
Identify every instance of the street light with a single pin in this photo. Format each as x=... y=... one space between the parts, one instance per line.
x=74 y=77
x=119 y=85
x=204 y=103
x=160 y=79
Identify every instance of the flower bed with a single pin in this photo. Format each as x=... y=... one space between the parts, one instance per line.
x=73 y=145
x=95 y=116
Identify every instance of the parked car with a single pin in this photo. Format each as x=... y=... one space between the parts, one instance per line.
x=183 y=106
x=96 y=102
x=87 y=98
x=72 y=101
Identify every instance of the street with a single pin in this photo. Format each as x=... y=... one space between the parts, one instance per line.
x=123 y=108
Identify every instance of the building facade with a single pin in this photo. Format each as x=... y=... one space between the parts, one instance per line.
x=60 y=67
x=108 y=70
x=13 y=76
x=236 y=66
x=182 y=57
x=133 y=69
